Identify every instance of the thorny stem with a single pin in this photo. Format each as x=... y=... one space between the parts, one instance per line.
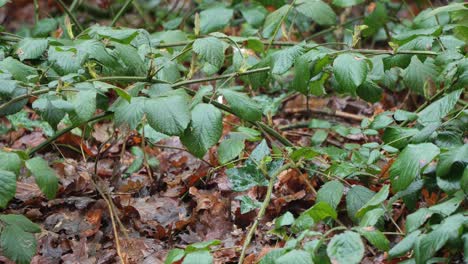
x=120 y=13
x=69 y=13
x=279 y=25
x=262 y=210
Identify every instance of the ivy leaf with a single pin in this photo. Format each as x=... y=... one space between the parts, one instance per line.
x=29 y=48
x=317 y=10
x=204 y=131
x=169 y=115
x=439 y=109
x=346 y=248
x=347 y=3
x=242 y=105
x=18 y=245
x=211 y=50
x=404 y=245
x=284 y=59
x=45 y=177
x=215 y=18
x=273 y=21
x=7 y=187
x=417 y=74
x=244 y=178
x=21 y=221
x=331 y=193
x=350 y=71
x=409 y=164
x=248 y=204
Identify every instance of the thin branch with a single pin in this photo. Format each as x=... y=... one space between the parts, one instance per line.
x=69 y=13
x=22 y=97
x=262 y=210
x=120 y=13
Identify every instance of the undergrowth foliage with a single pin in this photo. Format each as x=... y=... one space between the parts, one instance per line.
x=143 y=81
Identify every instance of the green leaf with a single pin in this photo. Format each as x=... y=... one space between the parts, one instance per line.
x=130 y=57
x=242 y=105
x=254 y=14
x=174 y=255
x=130 y=114
x=450 y=206
x=347 y=3
x=211 y=50
x=17 y=245
x=375 y=20
x=44 y=26
x=273 y=21
x=317 y=10
x=295 y=256
x=52 y=108
x=371 y=217
x=356 y=198
x=375 y=237
x=45 y=177
x=417 y=219
x=453 y=162
x=10 y=162
x=229 y=149
x=439 y=109
x=198 y=257
x=319 y=137
x=397 y=136
x=409 y=164
x=350 y=71
x=331 y=193
x=21 y=221
x=381 y=121
x=244 y=178
x=427 y=245
x=7 y=187
x=284 y=59
x=376 y=200
x=402 y=115
x=204 y=131
x=404 y=245
x=85 y=104
x=285 y=220
x=29 y=48
x=18 y=70
x=247 y=204
x=168 y=114
x=369 y=91
x=303 y=153
x=417 y=75
x=205 y=245
x=346 y=248
x=313 y=215
x=4 y=2
x=215 y=18
x=301 y=76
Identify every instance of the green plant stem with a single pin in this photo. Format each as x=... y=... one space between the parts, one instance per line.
x=120 y=13
x=36 y=11
x=64 y=131
x=262 y=210
x=69 y=13
x=22 y=97
x=426 y=103
x=279 y=25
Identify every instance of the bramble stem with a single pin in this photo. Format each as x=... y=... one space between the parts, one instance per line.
x=69 y=13
x=120 y=13
x=262 y=210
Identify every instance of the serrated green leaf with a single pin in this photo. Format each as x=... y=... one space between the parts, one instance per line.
x=346 y=248
x=130 y=57
x=44 y=26
x=371 y=217
x=169 y=114
x=130 y=114
x=417 y=75
x=198 y=257
x=7 y=187
x=375 y=237
x=29 y=48
x=10 y=162
x=295 y=256
x=18 y=245
x=453 y=162
x=397 y=136
x=317 y=10
x=204 y=131
x=404 y=245
x=417 y=219
x=350 y=71
x=211 y=50
x=409 y=164
x=439 y=109
x=284 y=220
x=242 y=105
x=46 y=177
x=357 y=197
x=215 y=18
x=273 y=21
x=84 y=104
x=18 y=70
x=21 y=221
x=254 y=14
x=331 y=193
x=284 y=59
x=174 y=255
x=369 y=91
x=301 y=76
x=229 y=149
x=376 y=200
